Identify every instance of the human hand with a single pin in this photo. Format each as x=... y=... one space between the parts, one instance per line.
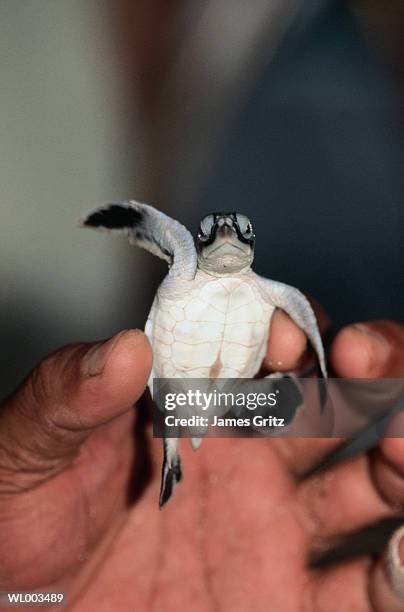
x=240 y=530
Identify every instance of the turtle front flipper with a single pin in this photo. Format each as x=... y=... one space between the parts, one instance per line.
x=172 y=472
x=152 y=230
x=297 y=306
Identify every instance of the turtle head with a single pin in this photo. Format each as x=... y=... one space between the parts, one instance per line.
x=225 y=243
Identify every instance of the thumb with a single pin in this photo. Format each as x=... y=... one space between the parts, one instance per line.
x=71 y=392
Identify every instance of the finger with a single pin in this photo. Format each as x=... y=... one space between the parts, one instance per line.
x=369 y=350
x=382 y=594
x=355 y=494
x=361 y=585
x=388 y=469
x=286 y=350
x=387 y=580
x=341 y=501
x=344 y=587
x=286 y=343
x=72 y=392
x=368 y=488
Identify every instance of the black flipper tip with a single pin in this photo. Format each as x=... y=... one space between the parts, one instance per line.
x=170 y=478
x=115 y=216
x=322 y=391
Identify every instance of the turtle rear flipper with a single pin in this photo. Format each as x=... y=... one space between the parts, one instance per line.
x=172 y=475
x=172 y=472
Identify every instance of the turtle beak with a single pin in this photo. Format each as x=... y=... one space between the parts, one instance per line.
x=225 y=228
x=226 y=237
x=226 y=231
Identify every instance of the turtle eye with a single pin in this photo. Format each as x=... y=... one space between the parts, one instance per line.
x=205 y=226
x=244 y=224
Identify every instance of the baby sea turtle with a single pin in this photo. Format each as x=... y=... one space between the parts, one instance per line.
x=211 y=314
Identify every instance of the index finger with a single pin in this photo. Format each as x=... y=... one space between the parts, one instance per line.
x=286 y=349
x=287 y=342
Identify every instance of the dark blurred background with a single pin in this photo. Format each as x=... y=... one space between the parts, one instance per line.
x=286 y=110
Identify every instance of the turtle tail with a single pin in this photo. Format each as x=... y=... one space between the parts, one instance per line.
x=196 y=442
x=172 y=472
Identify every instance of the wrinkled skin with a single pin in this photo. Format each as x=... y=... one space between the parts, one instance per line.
x=239 y=531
